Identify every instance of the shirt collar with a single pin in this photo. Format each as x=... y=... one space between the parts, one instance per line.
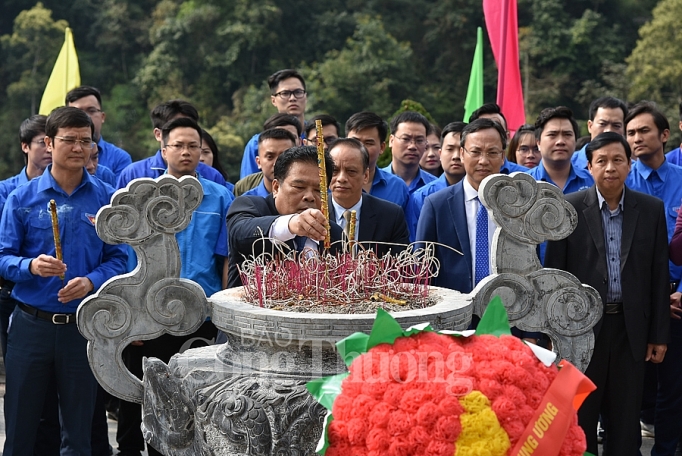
x=470 y=192
x=378 y=176
x=601 y=199
x=339 y=210
x=46 y=181
x=157 y=162
x=646 y=171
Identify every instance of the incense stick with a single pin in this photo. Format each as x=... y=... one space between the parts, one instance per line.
x=55 y=232
x=323 y=181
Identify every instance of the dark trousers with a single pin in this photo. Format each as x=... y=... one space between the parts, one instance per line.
x=7 y=306
x=128 y=434
x=668 y=422
x=40 y=353
x=619 y=378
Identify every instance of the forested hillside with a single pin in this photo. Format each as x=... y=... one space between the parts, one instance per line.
x=355 y=55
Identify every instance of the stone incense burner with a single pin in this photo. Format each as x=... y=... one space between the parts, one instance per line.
x=247 y=396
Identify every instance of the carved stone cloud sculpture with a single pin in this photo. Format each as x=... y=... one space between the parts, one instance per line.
x=150 y=300
x=550 y=301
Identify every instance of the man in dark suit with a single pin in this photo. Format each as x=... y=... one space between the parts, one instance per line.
x=291 y=214
x=620 y=248
x=377 y=220
x=454 y=216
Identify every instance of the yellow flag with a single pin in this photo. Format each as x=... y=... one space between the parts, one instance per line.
x=65 y=76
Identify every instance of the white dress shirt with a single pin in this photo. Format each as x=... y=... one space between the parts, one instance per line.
x=471 y=205
x=280 y=230
x=341 y=220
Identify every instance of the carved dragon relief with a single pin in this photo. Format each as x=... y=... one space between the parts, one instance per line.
x=152 y=299
x=550 y=301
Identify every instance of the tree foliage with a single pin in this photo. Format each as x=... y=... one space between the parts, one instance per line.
x=355 y=54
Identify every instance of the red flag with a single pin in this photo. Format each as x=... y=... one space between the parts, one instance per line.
x=501 y=20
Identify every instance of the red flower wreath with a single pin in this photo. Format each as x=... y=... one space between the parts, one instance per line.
x=435 y=395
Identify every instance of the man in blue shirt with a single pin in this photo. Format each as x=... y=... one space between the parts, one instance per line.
x=203 y=255
x=43 y=340
x=271 y=144
x=331 y=130
x=279 y=120
x=37 y=158
x=287 y=94
x=675 y=155
x=453 y=172
x=647 y=130
x=556 y=131
x=89 y=100
x=494 y=112
x=371 y=131
x=155 y=166
x=606 y=114
x=408 y=144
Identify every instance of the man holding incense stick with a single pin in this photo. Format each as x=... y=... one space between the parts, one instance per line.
x=291 y=214
x=43 y=340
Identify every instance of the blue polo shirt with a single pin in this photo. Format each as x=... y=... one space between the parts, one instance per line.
x=259 y=190
x=27 y=232
x=664 y=184
x=418 y=182
x=249 y=165
x=414 y=206
x=509 y=167
x=106 y=175
x=8 y=185
x=114 y=158
x=154 y=167
x=578 y=178
x=674 y=157
x=389 y=187
x=203 y=244
x=579 y=158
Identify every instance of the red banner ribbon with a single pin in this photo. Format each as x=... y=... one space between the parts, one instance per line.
x=545 y=433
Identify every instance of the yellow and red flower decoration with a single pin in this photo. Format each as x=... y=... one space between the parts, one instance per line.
x=420 y=392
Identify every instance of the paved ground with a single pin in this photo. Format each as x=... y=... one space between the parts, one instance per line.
x=647 y=443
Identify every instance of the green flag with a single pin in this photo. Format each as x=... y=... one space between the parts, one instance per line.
x=475 y=91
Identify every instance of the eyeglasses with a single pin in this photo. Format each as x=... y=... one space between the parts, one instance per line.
x=84 y=143
x=327 y=140
x=92 y=111
x=494 y=155
x=40 y=143
x=419 y=142
x=286 y=94
x=180 y=147
x=528 y=150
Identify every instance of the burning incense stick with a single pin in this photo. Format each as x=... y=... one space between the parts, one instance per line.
x=323 y=181
x=55 y=232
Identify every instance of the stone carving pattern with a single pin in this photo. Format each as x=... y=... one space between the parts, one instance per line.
x=249 y=415
x=150 y=300
x=543 y=300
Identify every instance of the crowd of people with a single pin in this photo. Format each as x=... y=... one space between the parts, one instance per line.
x=625 y=188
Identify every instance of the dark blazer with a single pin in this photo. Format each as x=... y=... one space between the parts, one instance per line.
x=443 y=220
x=643 y=259
x=380 y=221
x=248 y=220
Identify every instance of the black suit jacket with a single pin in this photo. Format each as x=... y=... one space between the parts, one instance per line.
x=380 y=221
x=248 y=221
x=643 y=260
